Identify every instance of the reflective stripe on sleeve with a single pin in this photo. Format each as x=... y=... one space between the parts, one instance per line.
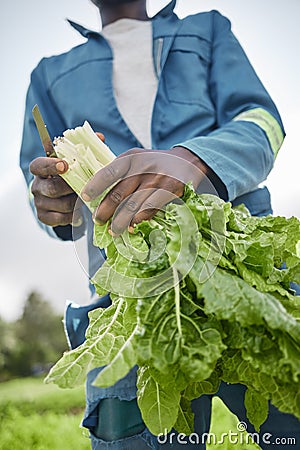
x=266 y=122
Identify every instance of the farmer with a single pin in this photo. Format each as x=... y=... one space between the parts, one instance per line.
x=181 y=86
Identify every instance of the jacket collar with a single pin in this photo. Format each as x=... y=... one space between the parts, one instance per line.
x=167 y=10
x=85 y=32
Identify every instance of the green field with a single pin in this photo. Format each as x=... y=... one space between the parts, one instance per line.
x=35 y=416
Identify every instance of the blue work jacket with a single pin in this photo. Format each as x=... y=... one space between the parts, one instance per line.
x=209 y=100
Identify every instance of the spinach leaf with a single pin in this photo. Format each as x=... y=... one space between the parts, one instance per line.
x=200 y=293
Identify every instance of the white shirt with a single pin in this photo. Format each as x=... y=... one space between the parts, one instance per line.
x=134 y=78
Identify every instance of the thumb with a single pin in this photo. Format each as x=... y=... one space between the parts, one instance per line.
x=44 y=167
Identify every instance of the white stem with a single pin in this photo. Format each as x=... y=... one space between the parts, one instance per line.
x=177 y=300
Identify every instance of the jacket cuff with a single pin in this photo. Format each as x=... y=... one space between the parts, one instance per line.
x=238 y=154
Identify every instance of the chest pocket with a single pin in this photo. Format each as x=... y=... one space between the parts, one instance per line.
x=186 y=73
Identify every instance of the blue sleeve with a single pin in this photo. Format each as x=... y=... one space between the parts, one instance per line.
x=249 y=131
x=31 y=147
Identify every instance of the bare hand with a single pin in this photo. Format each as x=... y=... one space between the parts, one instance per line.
x=53 y=198
x=143 y=182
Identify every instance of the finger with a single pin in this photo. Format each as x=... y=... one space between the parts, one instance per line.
x=152 y=204
x=54 y=218
x=77 y=218
x=106 y=177
x=54 y=187
x=64 y=204
x=114 y=198
x=45 y=167
x=128 y=209
x=100 y=136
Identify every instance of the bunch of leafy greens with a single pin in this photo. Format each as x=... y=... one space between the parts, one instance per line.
x=201 y=293
x=85 y=154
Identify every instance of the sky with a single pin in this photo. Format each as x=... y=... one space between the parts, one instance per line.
x=29 y=259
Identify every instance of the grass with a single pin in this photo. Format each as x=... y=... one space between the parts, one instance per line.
x=32 y=395
x=35 y=416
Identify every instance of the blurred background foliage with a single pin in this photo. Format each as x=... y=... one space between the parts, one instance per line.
x=33 y=415
x=31 y=344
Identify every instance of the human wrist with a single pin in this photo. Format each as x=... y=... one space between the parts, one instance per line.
x=194 y=159
x=191 y=157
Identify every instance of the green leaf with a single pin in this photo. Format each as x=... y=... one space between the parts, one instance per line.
x=102 y=238
x=71 y=369
x=229 y=297
x=199 y=295
x=132 y=246
x=120 y=365
x=185 y=419
x=159 y=405
x=168 y=336
x=104 y=338
x=257 y=408
x=208 y=386
x=285 y=396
